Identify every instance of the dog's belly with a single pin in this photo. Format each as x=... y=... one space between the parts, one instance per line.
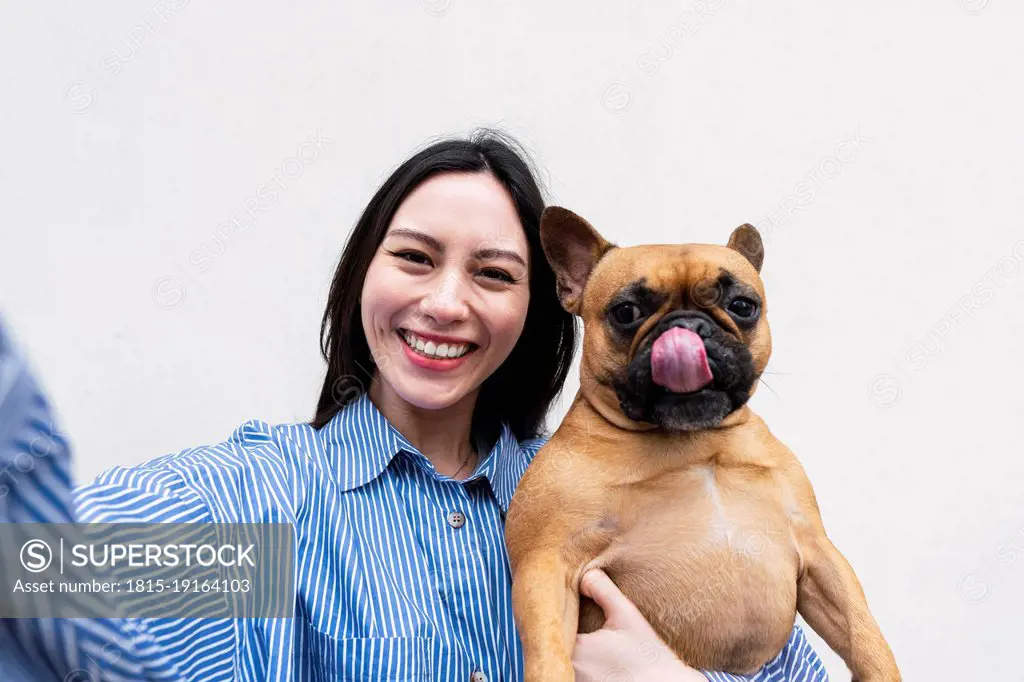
x=712 y=566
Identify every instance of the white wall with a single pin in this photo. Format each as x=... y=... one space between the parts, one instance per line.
x=662 y=123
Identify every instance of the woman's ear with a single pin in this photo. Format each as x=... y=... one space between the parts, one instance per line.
x=573 y=247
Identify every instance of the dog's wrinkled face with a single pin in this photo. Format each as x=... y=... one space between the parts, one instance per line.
x=675 y=335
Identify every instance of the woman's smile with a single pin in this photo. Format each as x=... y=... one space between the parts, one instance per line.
x=435 y=355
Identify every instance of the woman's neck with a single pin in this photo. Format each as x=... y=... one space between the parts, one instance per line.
x=443 y=436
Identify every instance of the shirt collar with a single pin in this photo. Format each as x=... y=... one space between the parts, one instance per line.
x=360 y=443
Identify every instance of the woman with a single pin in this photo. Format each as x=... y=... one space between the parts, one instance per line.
x=445 y=345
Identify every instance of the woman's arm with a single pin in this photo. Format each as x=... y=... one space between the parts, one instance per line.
x=36 y=487
x=187 y=649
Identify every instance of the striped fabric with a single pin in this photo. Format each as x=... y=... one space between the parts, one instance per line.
x=796 y=661
x=35 y=487
x=401 y=573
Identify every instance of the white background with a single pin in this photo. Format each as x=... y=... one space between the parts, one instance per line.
x=669 y=122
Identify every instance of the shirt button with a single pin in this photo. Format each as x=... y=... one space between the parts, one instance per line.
x=456 y=519
x=479 y=676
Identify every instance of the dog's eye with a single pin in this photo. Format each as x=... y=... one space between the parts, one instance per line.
x=626 y=313
x=743 y=307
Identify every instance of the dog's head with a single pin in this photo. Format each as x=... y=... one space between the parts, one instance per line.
x=675 y=335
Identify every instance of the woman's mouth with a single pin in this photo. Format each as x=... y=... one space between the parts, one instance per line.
x=432 y=350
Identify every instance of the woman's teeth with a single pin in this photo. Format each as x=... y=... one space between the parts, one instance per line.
x=434 y=350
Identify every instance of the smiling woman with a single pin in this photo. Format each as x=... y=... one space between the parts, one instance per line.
x=448 y=251
x=397 y=493
x=445 y=307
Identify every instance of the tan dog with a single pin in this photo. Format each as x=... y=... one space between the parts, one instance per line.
x=662 y=476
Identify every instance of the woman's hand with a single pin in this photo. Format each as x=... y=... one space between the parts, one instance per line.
x=626 y=649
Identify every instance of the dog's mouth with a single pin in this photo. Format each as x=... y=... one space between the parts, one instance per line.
x=689 y=376
x=679 y=361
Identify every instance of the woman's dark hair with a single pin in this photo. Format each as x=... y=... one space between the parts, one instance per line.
x=521 y=390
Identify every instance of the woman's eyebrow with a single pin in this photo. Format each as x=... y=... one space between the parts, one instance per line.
x=489 y=254
x=482 y=254
x=417 y=235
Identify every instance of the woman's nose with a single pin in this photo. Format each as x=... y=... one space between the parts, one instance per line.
x=446 y=301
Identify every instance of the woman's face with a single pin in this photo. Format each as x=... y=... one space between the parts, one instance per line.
x=451 y=278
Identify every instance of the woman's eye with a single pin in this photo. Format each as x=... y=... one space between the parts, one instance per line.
x=743 y=307
x=626 y=313
x=494 y=273
x=412 y=256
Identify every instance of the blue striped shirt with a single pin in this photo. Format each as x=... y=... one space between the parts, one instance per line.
x=401 y=573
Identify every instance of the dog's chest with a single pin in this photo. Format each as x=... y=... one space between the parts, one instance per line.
x=705 y=549
x=701 y=509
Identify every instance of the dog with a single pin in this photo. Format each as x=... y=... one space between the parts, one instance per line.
x=662 y=476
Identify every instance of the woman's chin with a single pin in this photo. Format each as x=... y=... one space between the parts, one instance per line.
x=430 y=394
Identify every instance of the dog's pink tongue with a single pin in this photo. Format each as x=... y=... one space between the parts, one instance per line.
x=679 y=361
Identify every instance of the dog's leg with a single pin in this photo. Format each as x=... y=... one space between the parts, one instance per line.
x=829 y=595
x=546 y=609
x=831 y=599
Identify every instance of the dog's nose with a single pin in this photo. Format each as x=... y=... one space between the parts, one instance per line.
x=696 y=321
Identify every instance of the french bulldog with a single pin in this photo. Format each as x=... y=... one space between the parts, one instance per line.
x=661 y=475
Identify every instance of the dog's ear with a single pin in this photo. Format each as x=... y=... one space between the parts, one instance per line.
x=572 y=247
x=747 y=241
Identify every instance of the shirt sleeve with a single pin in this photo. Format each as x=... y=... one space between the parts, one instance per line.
x=36 y=487
x=165 y=490
x=188 y=649
x=797 y=662
x=215 y=483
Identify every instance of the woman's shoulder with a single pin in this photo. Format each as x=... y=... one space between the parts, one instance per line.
x=530 y=446
x=258 y=465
